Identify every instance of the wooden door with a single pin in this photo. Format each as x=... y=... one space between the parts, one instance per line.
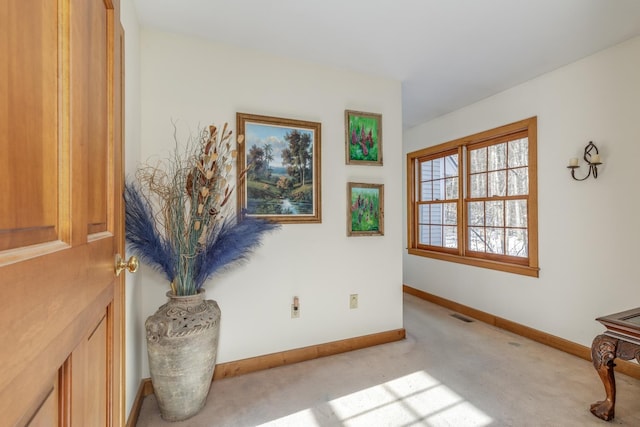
x=61 y=222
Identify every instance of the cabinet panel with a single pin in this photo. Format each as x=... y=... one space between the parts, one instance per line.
x=60 y=182
x=89 y=379
x=28 y=123
x=47 y=414
x=90 y=102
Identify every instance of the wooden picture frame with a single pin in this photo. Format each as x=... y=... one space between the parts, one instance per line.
x=282 y=183
x=363 y=138
x=365 y=209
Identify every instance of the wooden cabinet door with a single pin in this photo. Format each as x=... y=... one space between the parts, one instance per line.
x=89 y=385
x=47 y=413
x=60 y=210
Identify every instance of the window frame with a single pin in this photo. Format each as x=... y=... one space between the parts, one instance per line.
x=430 y=157
x=518 y=265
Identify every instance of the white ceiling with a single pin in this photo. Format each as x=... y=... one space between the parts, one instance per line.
x=446 y=53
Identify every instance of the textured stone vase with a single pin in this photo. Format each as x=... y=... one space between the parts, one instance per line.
x=182 y=341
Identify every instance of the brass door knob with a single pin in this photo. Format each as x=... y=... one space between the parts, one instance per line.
x=121 y=264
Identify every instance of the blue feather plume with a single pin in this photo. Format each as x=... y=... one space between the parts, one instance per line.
x=232 y=243
x=179 y=218
x=142 y=234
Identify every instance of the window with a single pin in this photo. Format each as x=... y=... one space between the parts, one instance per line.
x=474 y=200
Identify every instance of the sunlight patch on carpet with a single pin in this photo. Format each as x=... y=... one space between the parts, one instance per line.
x=415 y=399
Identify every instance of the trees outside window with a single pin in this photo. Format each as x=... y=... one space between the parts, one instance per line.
x=474 y=200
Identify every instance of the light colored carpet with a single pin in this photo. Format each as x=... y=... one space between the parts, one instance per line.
x=446 y=373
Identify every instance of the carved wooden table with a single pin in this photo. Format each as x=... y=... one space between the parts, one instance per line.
x=621 y=340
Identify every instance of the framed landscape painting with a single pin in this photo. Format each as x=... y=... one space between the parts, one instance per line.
x=282 y=182
x=363 y=138
x=365 y=209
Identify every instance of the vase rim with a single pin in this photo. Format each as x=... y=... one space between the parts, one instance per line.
x=171 y=295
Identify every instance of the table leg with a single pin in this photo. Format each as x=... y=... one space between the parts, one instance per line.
x=603 y=352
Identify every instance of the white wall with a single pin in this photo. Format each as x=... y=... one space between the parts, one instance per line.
x=194 y=83
x=588 y=231
x=129 y=20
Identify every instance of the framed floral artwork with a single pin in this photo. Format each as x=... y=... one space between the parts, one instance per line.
x=365 y=209
x=363 y=138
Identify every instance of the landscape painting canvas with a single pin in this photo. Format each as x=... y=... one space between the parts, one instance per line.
x=282 y=157
x=365 y=213
x=363 y=138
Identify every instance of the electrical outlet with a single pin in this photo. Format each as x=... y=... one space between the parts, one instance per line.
x=295 y=312
x=353 y=301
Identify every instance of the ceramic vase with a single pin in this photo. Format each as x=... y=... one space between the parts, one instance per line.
x=182 y=342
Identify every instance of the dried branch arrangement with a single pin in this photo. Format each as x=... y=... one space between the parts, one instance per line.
x=179 y=214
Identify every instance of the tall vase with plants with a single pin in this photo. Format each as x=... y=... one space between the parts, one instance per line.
x=180 y=220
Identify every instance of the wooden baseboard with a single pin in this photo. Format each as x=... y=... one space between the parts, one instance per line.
x=144 y=390
x=622 y=366
x=268 y=361
x=241 y=367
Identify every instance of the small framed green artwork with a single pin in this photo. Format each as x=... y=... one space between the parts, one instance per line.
x=365 y=209
x=363 y=138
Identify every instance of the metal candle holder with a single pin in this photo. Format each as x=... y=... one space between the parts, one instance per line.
x=592 y=159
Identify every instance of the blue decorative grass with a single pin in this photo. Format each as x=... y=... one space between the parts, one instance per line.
x=231 y=243
x=142 y=234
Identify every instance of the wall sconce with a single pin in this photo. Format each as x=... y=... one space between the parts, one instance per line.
x=592 y=159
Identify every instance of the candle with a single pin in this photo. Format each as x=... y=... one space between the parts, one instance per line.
x=595 y=158
x=573 y=161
